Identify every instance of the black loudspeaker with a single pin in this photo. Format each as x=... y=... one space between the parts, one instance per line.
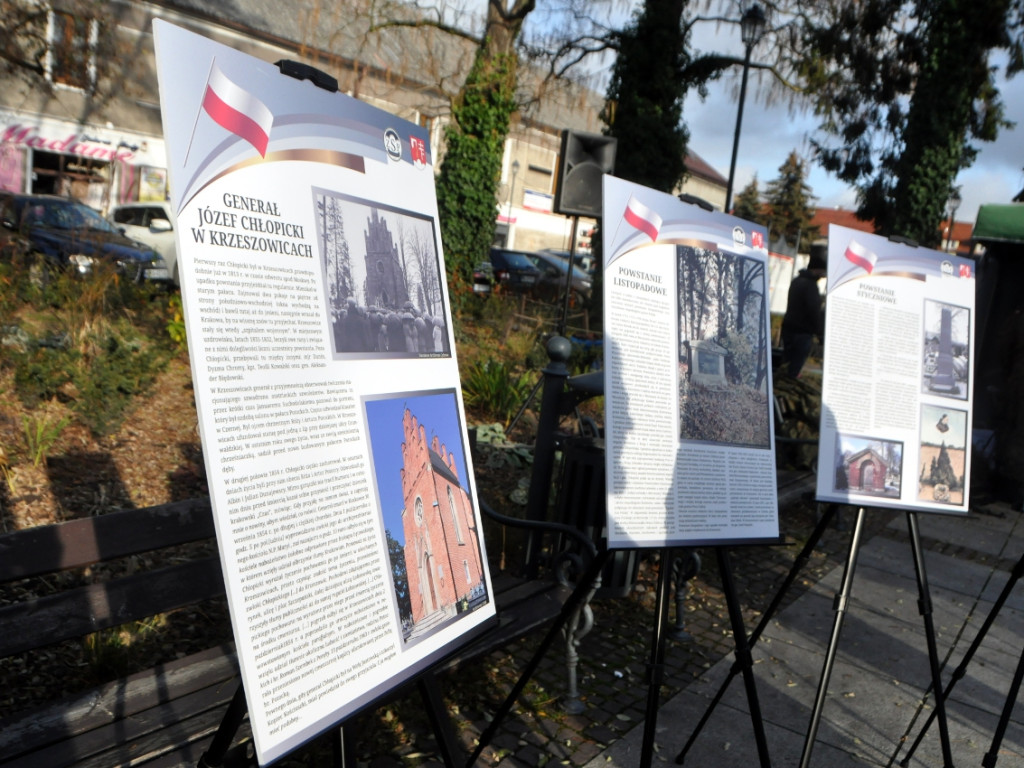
x=585 y=157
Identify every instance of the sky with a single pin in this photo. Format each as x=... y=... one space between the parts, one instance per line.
x=770 y=133
x=437 y=413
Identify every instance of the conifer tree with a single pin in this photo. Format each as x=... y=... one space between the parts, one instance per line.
x=748 y=205
x=790 y=204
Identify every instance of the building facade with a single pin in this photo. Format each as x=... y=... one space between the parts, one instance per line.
x=88 y=124
x=442 y=544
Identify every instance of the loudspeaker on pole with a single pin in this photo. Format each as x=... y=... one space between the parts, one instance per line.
x=584 y=158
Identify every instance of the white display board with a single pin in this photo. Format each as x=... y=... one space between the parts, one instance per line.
x=689 y=436
x=898 y=375
x=323 y=359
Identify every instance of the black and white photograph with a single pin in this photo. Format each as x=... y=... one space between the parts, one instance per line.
x=723 y=348
x=947 y=362
x=383 y=279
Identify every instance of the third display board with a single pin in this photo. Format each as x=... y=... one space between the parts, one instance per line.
x=898 y=375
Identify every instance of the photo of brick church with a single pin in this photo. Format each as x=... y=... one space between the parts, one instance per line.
x=442 y=546
x=433 y=532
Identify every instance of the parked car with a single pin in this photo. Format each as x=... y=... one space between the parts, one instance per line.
x=66 y=234
x=513 y=270
x=553 y=269
x=152 y=223
x=583 y=259
x=483 y=278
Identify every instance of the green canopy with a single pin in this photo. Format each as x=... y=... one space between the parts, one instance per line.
x=1000 y=223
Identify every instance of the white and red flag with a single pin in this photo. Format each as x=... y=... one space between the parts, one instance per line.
x=861 y=256
x=236 y=110
x=643 y=218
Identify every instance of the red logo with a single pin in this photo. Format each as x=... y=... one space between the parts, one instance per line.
x=757 y=239
x=418 y=149
x=965 y=270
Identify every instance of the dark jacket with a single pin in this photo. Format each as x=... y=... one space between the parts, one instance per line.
x=803 y=307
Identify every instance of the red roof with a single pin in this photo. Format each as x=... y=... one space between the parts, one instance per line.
x=840 y=216
x=962 y=230
x=698 y=166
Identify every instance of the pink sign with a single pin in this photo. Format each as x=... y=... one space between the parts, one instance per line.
x=73 y=144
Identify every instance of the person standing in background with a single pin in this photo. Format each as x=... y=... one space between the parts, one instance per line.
x=804 y=318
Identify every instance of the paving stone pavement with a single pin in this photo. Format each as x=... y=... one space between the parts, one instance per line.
x=975 y=553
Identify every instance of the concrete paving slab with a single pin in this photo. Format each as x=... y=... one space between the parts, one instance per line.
x=876 y=700
x=995 y=534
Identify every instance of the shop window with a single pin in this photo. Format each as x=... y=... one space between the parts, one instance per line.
x=71 y=53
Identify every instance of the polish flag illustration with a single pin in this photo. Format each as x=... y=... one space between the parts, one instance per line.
x=237 y=110
x=643 y=218
x=861 y=256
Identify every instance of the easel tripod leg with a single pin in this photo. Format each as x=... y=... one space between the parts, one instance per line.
x=925 y=607
x=657 y=660
x=743 y=657
x=583 y=591
x=841 y=600
x=989 y=760
x=229 y=725
x=961 y=670
x=798 y=565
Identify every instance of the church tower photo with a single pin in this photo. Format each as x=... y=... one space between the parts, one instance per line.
x=386 y=285
x=442 y=544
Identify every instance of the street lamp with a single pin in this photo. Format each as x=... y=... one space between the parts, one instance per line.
x=751 y=29
x=954 y=203
x=511 y=192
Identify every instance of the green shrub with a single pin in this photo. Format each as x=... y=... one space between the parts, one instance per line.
x=492 y=388
x=41 y=432
x=176 y=323
x=92 y=343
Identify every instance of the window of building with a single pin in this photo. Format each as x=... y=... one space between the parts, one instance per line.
x=455 y=517
x=465 y=565
x=71 y=52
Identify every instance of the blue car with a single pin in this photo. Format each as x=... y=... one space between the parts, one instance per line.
x=65 y=234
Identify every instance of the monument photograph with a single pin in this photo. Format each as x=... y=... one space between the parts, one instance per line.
x=723 y=348
x=869 y=466
x=383 y=279
x=431 y=526
x=943 y=454
x=947 y=333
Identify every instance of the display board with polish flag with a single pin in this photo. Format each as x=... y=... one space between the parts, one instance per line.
x=688 y=430
x=897 y=374
x=322 y=359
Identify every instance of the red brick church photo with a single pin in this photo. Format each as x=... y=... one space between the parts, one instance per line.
x=434 y=542
x=442 y=543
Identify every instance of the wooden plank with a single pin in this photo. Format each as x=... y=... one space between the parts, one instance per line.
x=77 y=543
x=77 y=612
x=121 y=699
x=142 y=736
x=514 y=622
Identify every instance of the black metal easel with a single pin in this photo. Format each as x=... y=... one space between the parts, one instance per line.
x=1015 y=575
x=744 y=660
x=798 y=565
x=841 y=603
